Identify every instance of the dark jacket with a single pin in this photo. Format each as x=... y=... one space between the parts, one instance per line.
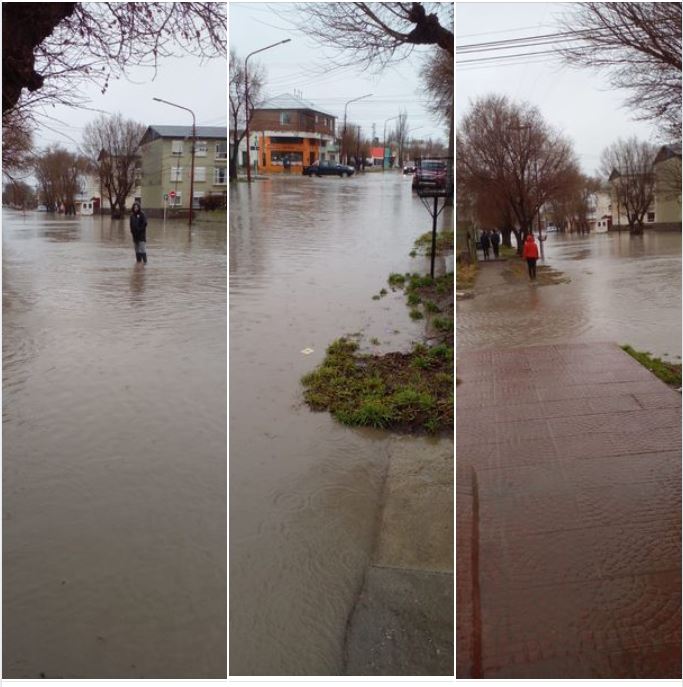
x=138 y=226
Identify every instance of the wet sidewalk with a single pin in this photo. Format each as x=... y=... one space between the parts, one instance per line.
x=568 y=515
x=402 y=622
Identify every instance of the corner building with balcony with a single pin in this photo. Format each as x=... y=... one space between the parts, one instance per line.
x=287 y=128
x=166 y=163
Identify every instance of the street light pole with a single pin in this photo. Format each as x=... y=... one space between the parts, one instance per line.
x=246 y=100
x=384 y=141
x=348 y=102
x=194 y=136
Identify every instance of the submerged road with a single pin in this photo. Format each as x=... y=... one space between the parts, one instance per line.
x=568 y=515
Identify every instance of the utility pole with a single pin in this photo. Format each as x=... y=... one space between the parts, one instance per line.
x=246 y=99
x=348 y=102
x=194 y=134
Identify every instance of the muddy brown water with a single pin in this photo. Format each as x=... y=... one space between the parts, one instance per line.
x=306 y=256
x=114 y=435
x=622 y=288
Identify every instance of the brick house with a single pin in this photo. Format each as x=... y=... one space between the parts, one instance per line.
x=288 y=128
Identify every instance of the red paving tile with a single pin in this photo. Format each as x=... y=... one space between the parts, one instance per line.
x=568 y=516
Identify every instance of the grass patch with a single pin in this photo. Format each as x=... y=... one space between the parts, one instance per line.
x=444 y=243
x=466 y=275
x=670 y=373
x=404 y=391
x=416 y=314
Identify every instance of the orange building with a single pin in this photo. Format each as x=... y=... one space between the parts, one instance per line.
x=288 y=133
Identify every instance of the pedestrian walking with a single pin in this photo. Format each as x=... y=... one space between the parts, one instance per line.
x=530 y=254
x=495 y=242
x=138 y=228
x=485 y=244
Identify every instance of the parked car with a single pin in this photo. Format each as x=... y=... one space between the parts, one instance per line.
x=430 y=173
x=409 y=168
x=327 y=167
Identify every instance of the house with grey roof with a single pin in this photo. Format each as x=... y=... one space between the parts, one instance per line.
x=288 y=133
x=166 y=157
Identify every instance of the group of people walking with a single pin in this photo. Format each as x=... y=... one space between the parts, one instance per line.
x=490 y=239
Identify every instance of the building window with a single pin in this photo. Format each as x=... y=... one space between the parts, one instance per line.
x=200 y=173
x=219 y=175
x=650 y=216
x=196 y=199
x=285 y=118
x=222 y=150
x=176 y=148
x=295 y=158
x=176 y=173
x=200 y=149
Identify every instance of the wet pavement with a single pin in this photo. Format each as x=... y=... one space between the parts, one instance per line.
x=622 y=288
x=114 y=435
x=568 y=515
x=306 y=257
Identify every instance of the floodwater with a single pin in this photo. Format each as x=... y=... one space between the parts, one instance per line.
x=306 y=256
x=114 y=436
x=625 y=289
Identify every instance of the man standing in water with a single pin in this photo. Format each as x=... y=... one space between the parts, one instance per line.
x=138 y=228
x=530 y=254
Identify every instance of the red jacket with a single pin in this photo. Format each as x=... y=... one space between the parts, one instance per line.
x=530 y=249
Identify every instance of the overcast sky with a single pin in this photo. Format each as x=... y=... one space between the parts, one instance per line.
x=579 y=102
x=295 y=66
x=185 y=80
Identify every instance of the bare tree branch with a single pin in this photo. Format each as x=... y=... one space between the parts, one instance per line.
x=638 y=46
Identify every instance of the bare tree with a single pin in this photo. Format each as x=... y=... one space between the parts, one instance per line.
x=239 y=108
x=59 y=173
x=638 y=44
x=111 y=145
x=17 y=143
x=668 y=178
x=374 y=34
x=438 y=75
x=50 y=48
x=508 y=152
x=18 y=194
x=629 y=166
x=400 y=135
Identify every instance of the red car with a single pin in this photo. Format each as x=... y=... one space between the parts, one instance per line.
x=430 y=173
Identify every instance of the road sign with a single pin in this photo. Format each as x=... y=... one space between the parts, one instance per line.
x=165 y=197
x=171 y=194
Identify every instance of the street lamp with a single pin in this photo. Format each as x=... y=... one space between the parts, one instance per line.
x=348 y=102
x=246 y=98
x=384 y=141
x=194 y=134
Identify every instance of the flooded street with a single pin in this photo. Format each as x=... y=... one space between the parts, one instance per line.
x=114 y=469
x=622 y=289
x=306 y=257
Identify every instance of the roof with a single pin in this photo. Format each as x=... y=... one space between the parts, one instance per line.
x=155 y=131
x=668 y=151
x=288 y=101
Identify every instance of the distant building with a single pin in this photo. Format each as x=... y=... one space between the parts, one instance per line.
x=668 y=186
x=664 y=212
x=600 y=216
x=166 y=155
x=288 y=132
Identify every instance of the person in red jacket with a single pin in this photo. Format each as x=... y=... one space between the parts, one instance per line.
x=530 y=254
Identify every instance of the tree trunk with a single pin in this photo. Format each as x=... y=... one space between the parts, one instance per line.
x=506 y=233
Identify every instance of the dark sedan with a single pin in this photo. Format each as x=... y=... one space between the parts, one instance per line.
x=327 y=167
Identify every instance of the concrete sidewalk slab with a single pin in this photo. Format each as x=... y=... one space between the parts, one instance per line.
x=569 y=548
x=402 y=624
